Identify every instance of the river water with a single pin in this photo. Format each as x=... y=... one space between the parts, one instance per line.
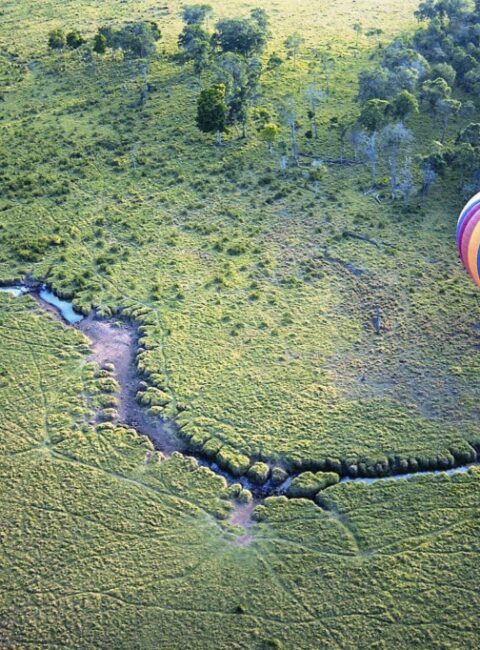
x=115 y=344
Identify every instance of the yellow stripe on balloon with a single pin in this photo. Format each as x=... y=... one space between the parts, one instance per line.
x=473 y=246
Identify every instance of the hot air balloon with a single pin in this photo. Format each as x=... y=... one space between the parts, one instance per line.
x=468 y=237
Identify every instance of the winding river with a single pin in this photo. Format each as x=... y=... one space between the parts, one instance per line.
x=116 y=344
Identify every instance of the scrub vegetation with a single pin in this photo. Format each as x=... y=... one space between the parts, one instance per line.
x=269 y=196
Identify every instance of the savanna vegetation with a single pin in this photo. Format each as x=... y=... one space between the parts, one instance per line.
x=269 y=195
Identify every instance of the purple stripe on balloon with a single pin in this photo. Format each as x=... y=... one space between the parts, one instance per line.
x=471 y=214
x=465 y=240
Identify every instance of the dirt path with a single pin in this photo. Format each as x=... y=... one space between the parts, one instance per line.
x=115 y=343
x=242 y=517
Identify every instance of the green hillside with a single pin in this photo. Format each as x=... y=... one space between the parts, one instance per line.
x=286 y=312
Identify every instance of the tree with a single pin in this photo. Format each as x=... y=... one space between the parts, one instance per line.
x=212 y=111
x=289 y=114
x=342 y=126
x=373 y=85
x=74 y=39
x=395 y=138
x=56 y=39
x=434 y=90
x=444 y=71
x=317 y=174
x=328 y=65
x=196 y=14
x=260 y=16
x=374 y=114
x=372 y=118
x=314 y=97
x=240 y=78
x=268 y=133
x=137 y=39
x=376 y=31
x=470 y=135
x=445 y=108
x=293 y=44
x=471 y=80
x=406 y=186
x=195 y=42
x=241 y=36
x=403 y=105
x=100 y=43
x=467 y=160
x=433 y=165
x=358 y=29
x=426 y=10
x=274 y=62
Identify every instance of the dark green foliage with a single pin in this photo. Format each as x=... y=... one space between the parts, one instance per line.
x=374 y=114
x=403 y=105
x=196 y=14
x=241 y=35
x=74 y=39
x=56 y=39
x=195 y=43
x=137 y=39
x=212 y=110
x=100 y=43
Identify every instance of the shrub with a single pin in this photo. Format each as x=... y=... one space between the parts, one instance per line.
x=279 y=475
x=74 y=39
x=56 y=39
x=258 y=472
x=233 y=461
x=108 y=414
x=100 y=43
x=308 y=484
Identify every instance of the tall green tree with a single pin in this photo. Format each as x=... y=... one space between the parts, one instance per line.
x=241 y=78
x=403 y=105
x=269 y=133
x=292 y=45
x=196 y=45
x=241 y=36
x=212 y=111
x=373 y=117
x=358 y=29
x=196 y=14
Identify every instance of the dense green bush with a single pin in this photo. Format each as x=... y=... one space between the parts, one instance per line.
x=308 y=484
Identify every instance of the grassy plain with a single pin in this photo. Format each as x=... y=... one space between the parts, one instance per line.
x=104 y=547
x=259 y=333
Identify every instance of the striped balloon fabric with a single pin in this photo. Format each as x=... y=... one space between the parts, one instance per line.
x=468 y=237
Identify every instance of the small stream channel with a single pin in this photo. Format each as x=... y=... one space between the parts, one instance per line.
x=116 y=344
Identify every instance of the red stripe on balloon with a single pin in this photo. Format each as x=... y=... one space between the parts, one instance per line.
x=465 y=241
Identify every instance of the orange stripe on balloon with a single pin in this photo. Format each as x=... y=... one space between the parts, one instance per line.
x=473 y=246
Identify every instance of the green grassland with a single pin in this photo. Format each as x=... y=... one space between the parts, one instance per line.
x=254 y=325
x=103 y=546
x=256 y=334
